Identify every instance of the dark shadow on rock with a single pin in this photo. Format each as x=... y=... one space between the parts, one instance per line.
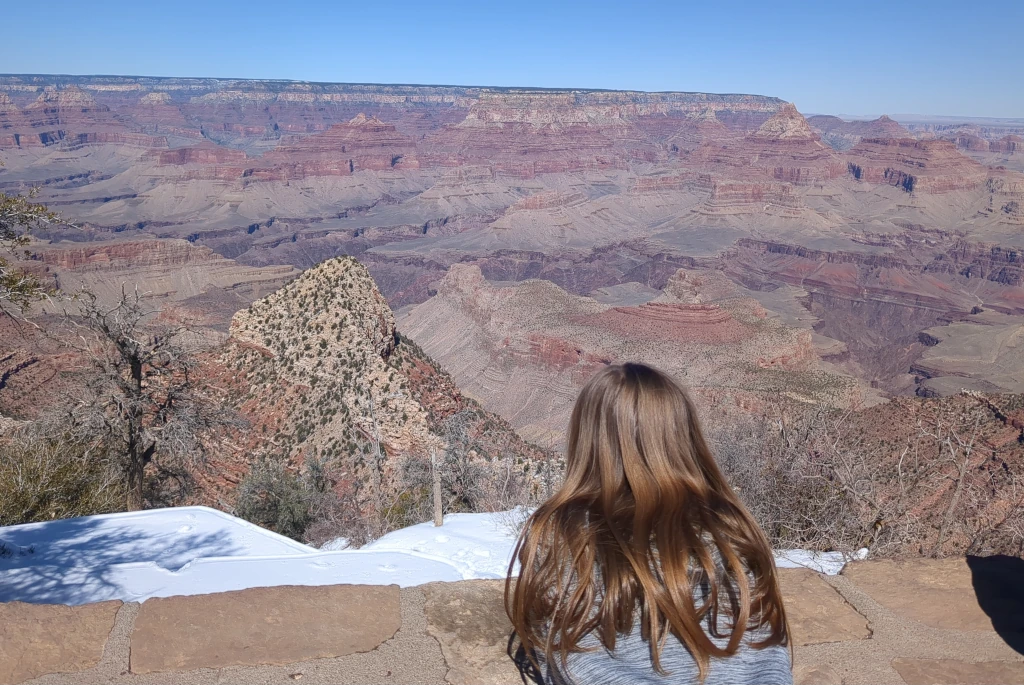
x=999 y=586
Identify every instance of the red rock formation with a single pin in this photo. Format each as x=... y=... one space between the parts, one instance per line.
x=699 y=323
x=928 y=166
x=784 y=148
x=664 y=181
x=136 y=140
x=525 y=349
x=68 y=115
x=364 y=143
x=157 y=113
x=547 y=200
x=731 y=197
x=789 y=150
x=203 y=154
x=525 y=134
x=684 y=132
x=11 y=121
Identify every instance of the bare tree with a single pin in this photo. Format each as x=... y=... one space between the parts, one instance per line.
x=956 y=441
x=142 y=398
x=461 y=472
x=824 y=479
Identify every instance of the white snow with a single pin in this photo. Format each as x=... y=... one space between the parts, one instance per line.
x=477 y=545
x=195 y=550
x=829 y=563
x=169 y=538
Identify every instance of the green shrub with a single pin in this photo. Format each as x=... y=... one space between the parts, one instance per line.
x=273 y=497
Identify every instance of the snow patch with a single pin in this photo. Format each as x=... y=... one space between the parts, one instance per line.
x=196 y=550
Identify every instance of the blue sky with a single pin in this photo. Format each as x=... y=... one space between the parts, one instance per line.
x=834 y=56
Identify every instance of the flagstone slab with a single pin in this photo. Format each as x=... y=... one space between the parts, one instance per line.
x=816 y=674
x=468 y=619
x=954 y=672
x=816 y=612
x=37 y=639
x=258 y=626
x=936 y=592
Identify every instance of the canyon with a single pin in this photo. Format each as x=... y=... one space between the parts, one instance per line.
x=525 y=236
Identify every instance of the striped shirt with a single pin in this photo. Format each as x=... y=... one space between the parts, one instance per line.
x=630 y=662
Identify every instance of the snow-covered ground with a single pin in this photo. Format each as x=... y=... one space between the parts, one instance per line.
x=195 y=550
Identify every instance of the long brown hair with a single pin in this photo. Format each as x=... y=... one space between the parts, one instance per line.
x=643 y=518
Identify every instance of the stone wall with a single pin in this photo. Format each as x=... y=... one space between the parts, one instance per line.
x=909 y=622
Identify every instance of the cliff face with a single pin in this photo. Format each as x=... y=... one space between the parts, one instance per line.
x=364 y=143
x=879 y=303
x=174 y=272
x=67 y=115
x=929 y=166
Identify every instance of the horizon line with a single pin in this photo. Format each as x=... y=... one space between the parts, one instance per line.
x=561 y=89
x=905 y=116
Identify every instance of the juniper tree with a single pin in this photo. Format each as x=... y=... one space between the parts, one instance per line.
x=142 y=398
x=19 y=216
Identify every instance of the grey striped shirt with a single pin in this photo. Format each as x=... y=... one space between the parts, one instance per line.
x=630 y=664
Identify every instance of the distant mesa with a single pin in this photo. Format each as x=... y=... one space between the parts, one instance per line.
x=842 y=134
x=156 y=98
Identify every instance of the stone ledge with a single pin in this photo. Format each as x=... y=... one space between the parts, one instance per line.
x=456 y=633
x=954 y=672
x=816 y=612
x=37 y=639
x=936 y=592
x=274 y=625
x=468 y=620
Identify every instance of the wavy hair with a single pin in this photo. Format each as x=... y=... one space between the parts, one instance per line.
x=643 y=524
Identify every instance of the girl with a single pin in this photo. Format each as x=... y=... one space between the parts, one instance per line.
x=644 y=567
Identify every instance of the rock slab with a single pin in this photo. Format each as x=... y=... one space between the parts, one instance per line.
x=36 y=639
x=954 y=672
x=816 y=674
x=273 y=625
x=468 y=620
x=936 y=592
x=816 y=612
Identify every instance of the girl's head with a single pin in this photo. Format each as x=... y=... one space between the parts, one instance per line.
x=644 y=515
